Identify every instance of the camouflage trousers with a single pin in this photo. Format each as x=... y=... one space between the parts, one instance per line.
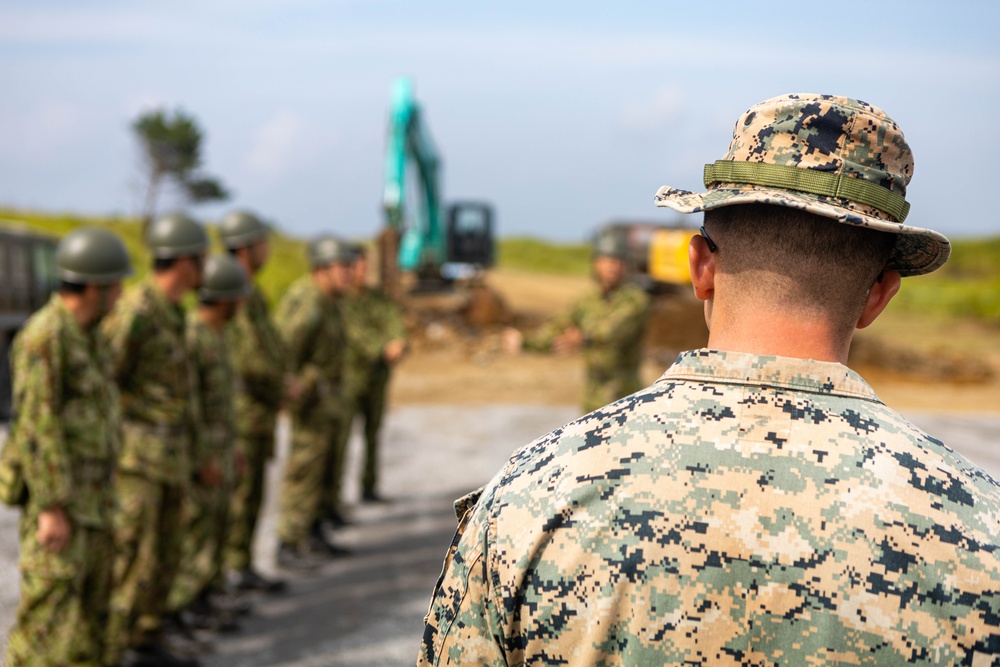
x=203 y=526
x=313 y=447
x=369 y=407
x=63 y=611
x=148 y=538
x=336 y=459
x=245 y=501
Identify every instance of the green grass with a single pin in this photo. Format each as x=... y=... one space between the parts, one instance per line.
x=537 y=256
x=968 y=286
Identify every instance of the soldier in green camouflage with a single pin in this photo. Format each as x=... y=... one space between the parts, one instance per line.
x=206 y=505
x=313 y=333
x=146 y=332
x=65 y=432
x=758 y=504
x=607 y=325
x=376 y=341
x=258 y=359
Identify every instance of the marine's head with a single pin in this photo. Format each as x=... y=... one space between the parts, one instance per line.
x=178 y=244
x=224 y=284
x=610 y=258
x=330 y=259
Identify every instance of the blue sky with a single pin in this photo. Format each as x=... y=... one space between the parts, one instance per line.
x=564 y=115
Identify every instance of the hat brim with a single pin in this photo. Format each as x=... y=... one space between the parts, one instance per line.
x=918 y=251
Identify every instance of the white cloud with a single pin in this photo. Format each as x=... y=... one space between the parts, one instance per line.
x=662 y=110
x=286 y=141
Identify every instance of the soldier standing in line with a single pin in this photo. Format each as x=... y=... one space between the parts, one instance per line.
x=607 y=325
x=376 y=341
x=206 y=505
x=258 y=359
x=66 y=430
x=313 y=332
x=758 y=504
x=152 y=368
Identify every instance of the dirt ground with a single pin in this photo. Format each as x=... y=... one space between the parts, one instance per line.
x=912 y=363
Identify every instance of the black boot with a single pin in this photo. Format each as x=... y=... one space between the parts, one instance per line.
x=320 y=545
x=251 y=580
x=292 y=557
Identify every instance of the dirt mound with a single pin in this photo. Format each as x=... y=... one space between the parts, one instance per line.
x=868 y=352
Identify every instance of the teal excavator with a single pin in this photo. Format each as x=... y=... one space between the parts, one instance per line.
x=437 y=244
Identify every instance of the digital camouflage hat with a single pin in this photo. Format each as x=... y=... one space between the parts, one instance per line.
x=836 y=157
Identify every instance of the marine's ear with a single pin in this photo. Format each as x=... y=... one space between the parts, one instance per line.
x=882 y=290
x=701 y=261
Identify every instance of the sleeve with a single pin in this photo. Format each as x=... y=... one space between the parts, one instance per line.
x=392 y=319
x=38 y=396
x=462 y=625
x=200 y=451
x=262 y=378
x=620 y=323
x=123 y=332
x=362 y=331
x=541 y=339
x=299 y=321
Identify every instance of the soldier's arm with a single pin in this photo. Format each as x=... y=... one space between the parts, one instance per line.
x=124 y=331
x=261 y=376
x=626 y=317
x=362 y=330
x=463 y=625
x=541 y=339
x=38 y=400
x=299 y=323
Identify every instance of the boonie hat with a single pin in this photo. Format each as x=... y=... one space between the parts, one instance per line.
x=833 y=156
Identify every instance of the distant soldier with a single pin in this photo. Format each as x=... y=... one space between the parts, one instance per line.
x=376 y=341
x=258 y=360
x=152 y=368
x=313 y=332
x=607 y=325
x=206 y=505
x=66 y=431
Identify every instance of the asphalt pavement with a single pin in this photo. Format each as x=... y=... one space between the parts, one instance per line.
x=366 y=609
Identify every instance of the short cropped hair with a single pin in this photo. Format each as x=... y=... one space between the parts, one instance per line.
x=804 y=260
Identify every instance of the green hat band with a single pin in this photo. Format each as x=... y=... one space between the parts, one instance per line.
x=808 y=180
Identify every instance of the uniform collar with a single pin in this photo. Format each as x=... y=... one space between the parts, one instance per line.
x=723 y=367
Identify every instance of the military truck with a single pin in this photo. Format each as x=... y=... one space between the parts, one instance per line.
x=27 y=278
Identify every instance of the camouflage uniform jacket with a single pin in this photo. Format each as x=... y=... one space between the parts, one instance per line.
x=67 y=424
x=312 y=328
x=612 y=325
x=258 y=359
x=213 y=377
x=371 y=320
x=152 y=367
x=743 y=510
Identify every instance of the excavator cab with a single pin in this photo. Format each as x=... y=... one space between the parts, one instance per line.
x=469 y=239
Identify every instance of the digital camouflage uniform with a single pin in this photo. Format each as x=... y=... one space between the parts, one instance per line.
x=371 y=320
x=612 y=325
x=313 y=333
x=66 y=432
x=258 y=360
x=206 y=508
x=147 y=336
x=743 y=510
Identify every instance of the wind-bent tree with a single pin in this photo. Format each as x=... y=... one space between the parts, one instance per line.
x=171 y=148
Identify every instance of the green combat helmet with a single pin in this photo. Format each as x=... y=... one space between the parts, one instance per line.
x=92 y=256
x=326 y=250
x=611 y=243
x=224 y=279
x=240 y=229
x=176 y=235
